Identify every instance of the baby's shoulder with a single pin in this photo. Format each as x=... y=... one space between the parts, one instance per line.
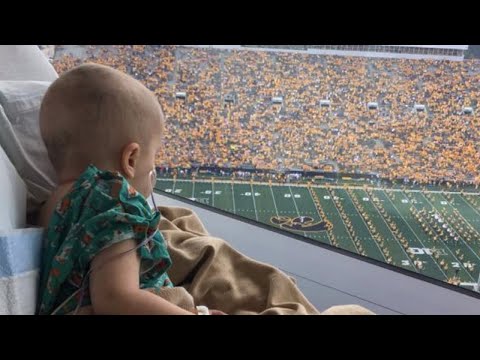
x=45 y=212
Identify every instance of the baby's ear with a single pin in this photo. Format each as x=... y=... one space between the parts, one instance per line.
x=129 y=159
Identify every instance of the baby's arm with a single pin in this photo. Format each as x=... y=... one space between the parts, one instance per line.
x=115 y=286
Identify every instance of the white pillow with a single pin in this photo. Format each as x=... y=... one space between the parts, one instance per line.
x=25 y=62
x=13 y=196
x=20 y=137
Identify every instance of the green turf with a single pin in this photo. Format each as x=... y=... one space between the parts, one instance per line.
x=262 y=202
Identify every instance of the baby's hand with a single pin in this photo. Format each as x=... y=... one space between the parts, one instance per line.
x=217 y=312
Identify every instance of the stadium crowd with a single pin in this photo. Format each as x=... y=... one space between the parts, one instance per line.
x=228 y=118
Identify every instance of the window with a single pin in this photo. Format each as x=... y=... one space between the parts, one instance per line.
x=389 y=171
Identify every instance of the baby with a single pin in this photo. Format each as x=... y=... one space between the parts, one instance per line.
x=102 y=130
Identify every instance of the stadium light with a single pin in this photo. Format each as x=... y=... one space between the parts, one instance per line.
x=181 y=95
x=420 y=108
x=277 y=100
x=325 y=103
x=229 y=99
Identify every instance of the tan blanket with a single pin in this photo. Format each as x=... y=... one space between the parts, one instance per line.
x=218 y=276
x=208 y=271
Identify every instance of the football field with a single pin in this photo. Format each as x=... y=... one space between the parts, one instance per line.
x=432 y=232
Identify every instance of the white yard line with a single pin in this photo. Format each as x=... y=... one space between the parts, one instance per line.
x=436 y=210
x=345 y=225
x=318 y=212
x=296 y=207
x=368 y=229
x=414 y=233
x=233 y=198
x=394 y=237
x=274 y=202
x=213 y=193
x=254 y=204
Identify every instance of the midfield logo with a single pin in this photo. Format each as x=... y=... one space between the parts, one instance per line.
x=301 y=223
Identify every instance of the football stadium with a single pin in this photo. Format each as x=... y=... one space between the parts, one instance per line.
x=371 y=149
x=432 y=232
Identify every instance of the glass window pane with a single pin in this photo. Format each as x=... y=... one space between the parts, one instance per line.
x=288 y=139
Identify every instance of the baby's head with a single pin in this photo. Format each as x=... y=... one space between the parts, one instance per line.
x=96 y=115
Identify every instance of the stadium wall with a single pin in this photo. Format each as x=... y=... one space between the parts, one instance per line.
x=343 y=52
